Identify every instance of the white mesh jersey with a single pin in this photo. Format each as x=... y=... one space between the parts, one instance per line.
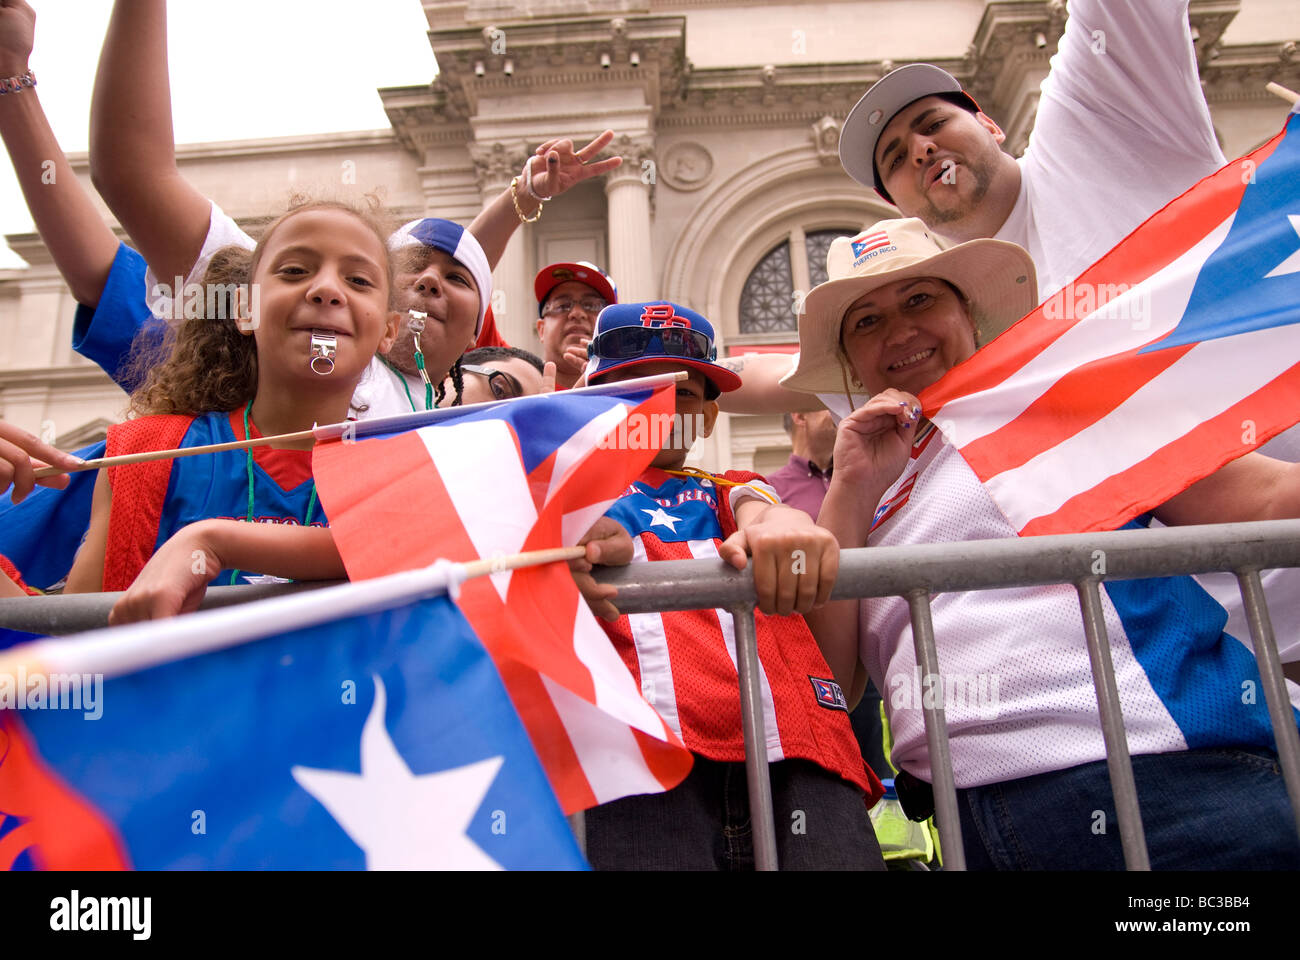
x=1017 y=686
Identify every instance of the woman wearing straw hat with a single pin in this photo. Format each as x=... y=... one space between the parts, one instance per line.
x=1028 y=756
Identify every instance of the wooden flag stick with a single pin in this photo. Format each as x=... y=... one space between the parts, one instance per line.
x=125 y=650
x=1290 y=96
x=326 y=432
x=532 y=558
x=148 y=455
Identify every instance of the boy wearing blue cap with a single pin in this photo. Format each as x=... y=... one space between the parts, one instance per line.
x=685 y=661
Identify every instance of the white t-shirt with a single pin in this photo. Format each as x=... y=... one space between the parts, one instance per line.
x=1018 y=692
x=380 y=393
x=1122 y=128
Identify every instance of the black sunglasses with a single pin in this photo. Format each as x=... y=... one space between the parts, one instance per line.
x=503 y=385
x=625 y=343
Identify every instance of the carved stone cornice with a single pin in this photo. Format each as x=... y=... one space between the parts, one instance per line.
x=1239 y=73
x=1008 y=54
x=793 y=93
x=494 y=60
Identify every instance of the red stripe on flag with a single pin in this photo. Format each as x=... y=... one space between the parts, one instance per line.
x=550 y=739
x=668 y=762
x=372 y=522
x=1077 y=400
x=1160 y=240
x=603 y=472
x=1177 y=465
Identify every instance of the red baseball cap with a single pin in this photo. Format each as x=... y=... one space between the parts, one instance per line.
x=554 y=274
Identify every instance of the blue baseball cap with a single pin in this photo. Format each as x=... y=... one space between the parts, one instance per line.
x=632 y=334
x=459 y=244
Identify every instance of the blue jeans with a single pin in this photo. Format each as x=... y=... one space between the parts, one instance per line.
x=1209 y=809
x=703 y=823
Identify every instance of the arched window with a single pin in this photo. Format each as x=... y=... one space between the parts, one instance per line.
x=818 y=244
x=767 y=301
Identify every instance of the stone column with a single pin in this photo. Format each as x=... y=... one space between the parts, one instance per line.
x=799 y=272
x=627 y=191
x=496 y=164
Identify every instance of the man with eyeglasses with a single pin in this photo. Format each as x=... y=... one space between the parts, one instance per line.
x=569 y=297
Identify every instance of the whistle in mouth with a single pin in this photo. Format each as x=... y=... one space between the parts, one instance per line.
x=416 y=322
x=323 y=348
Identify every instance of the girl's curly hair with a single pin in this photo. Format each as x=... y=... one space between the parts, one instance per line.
x=206 y=364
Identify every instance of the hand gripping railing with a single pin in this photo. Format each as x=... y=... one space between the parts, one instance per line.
x=916 y=573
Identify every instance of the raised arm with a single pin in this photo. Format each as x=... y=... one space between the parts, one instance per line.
x=132 y=150
x=1253 y=487
x=80 y=242
x=760 y=386
x=557 y=167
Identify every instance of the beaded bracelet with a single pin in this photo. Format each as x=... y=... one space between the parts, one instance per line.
x=17 y=84
x=514 y=196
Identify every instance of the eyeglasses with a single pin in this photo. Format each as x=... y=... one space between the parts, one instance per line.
x=558 y=308
x=624 y=343
x=502 y=384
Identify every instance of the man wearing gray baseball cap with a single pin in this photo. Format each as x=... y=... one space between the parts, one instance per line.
x=1122 y=128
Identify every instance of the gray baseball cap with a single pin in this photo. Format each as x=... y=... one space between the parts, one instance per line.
x=891 y=93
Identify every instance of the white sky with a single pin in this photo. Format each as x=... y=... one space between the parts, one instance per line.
x=240 y=69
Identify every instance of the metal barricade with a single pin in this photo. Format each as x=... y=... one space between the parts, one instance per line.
x=916 y=573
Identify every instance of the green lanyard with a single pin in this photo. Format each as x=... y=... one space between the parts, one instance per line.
x=401 y=378
x=248 y=452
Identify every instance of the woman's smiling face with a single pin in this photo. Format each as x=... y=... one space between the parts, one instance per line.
x=907 y=334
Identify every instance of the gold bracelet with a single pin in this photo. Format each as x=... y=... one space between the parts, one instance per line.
x=514 y=196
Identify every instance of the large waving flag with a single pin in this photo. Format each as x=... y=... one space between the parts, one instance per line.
x=493 y=480
x=1175 y=353
x=367 y=728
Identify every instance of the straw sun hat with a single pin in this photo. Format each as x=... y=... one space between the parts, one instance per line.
x=996 y=277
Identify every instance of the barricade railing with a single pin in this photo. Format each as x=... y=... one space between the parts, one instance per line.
x=916 y=573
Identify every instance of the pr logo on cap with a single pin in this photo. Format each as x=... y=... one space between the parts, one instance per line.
x=662 y=315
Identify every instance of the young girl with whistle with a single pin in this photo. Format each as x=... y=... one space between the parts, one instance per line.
x=256 y=367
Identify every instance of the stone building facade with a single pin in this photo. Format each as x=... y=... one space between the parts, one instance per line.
x=727 y=114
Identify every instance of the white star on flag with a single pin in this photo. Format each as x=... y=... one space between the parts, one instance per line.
x=1292 y=263
x=403 y=821
x=660 y=518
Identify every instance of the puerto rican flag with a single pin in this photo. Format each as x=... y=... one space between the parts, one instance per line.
x=497 y=479
x=1174 y=354
x=869 y=241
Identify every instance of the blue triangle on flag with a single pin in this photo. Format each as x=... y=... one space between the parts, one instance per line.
x=1252 y=281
